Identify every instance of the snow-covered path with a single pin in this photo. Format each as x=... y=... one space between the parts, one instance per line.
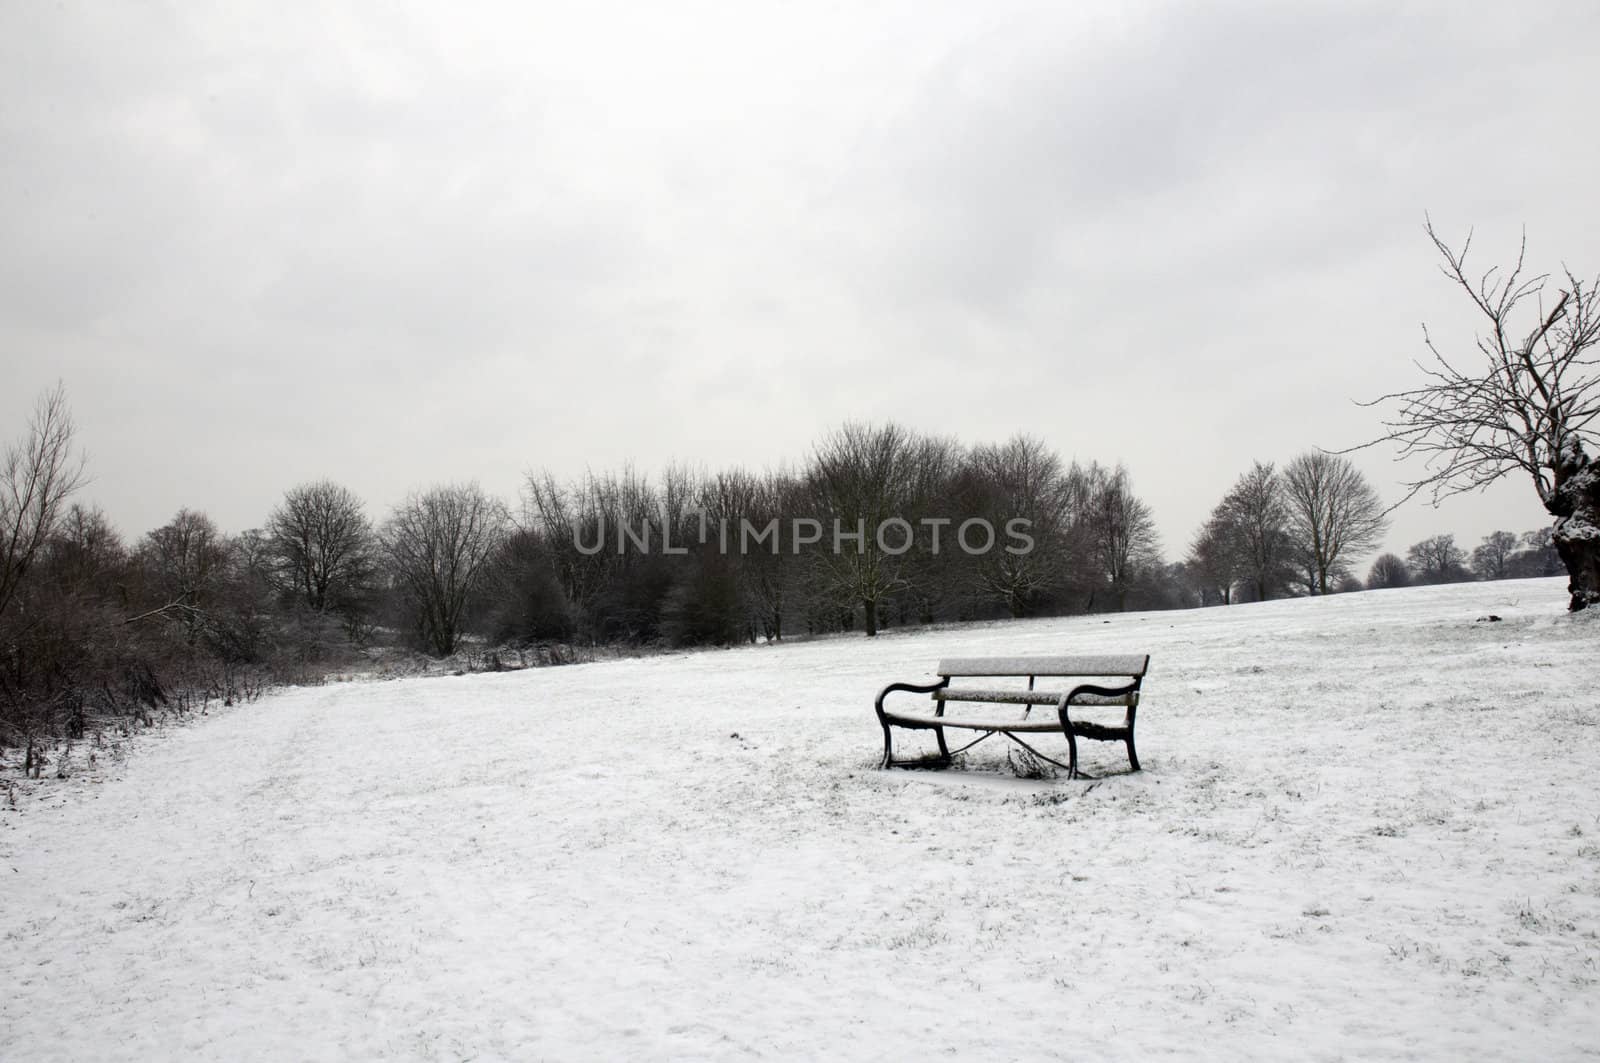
x=1368 y=828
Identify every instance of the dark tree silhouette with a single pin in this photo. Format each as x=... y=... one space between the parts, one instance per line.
x=36 y=477
x=1437 y=559
x=1120 y=533
x=1213 y=562
x=322 y=543
x=1389 y=570
x=1492 y=558
x=1253 y=520
x=439 y=544
x=860 y=476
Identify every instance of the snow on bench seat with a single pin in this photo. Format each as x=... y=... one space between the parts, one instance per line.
x=1128 y=664
x=1030 y=697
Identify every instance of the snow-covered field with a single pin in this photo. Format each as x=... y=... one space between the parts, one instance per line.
x=1368 y=828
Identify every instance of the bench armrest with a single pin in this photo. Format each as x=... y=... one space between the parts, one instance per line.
x=909 y=688
x=1105 y=692
x=1065 y=703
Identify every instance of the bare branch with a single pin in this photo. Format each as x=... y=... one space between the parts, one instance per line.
x=1528 y=399
x=36 y=477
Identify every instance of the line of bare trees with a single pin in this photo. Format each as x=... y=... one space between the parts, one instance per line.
x=1296 y=530
x=1302 y=529
x=872 y=531
x=1437 y=559
x=899 y=503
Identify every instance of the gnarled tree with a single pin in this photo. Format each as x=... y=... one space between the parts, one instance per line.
x=1527 y=401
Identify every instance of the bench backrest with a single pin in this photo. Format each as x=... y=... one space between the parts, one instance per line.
x=1132 y=665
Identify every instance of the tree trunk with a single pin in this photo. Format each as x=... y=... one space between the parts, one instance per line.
x=1575 y=503
x=869 y=608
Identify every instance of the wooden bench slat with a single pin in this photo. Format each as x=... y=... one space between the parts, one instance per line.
x=1131 y=665
x=1029 y=697
x=1047 y=723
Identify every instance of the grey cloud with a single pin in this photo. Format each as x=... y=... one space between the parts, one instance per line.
x=395 y=244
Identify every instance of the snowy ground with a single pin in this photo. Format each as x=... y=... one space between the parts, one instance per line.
x=1368 y=828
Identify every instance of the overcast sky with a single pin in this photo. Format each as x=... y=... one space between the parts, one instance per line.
x=410 y=243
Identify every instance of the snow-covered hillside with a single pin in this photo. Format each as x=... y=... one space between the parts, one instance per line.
x=1368 y=827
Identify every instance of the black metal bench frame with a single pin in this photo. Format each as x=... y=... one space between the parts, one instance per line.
x=1130 y=667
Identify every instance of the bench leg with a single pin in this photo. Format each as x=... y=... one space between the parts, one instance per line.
x=1072 y=739
x=1133 y=754
x=888 y=760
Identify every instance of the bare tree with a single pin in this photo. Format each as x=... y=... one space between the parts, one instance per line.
x=566 y=526
x=768 y=574
x=185 y=556
x=932 y=582
x=1389 y=570
x=184 y=561
x=1527 y=402
x=1023 y=480
x=86 y=552
x=1333 y=514
x=709 y=601
x=861 y=476
x=1538 y=555
x=1492 y=557
x=36 y=477
x=322 y=542
x=1254 y=519
x=1122 y=534
x=1437 y=560
x=439 y=544
x=600 y=533
x=1081 y=577
x=252 y=556
x=1213 y=563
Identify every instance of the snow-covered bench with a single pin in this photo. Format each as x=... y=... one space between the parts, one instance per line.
x=1119 y=677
